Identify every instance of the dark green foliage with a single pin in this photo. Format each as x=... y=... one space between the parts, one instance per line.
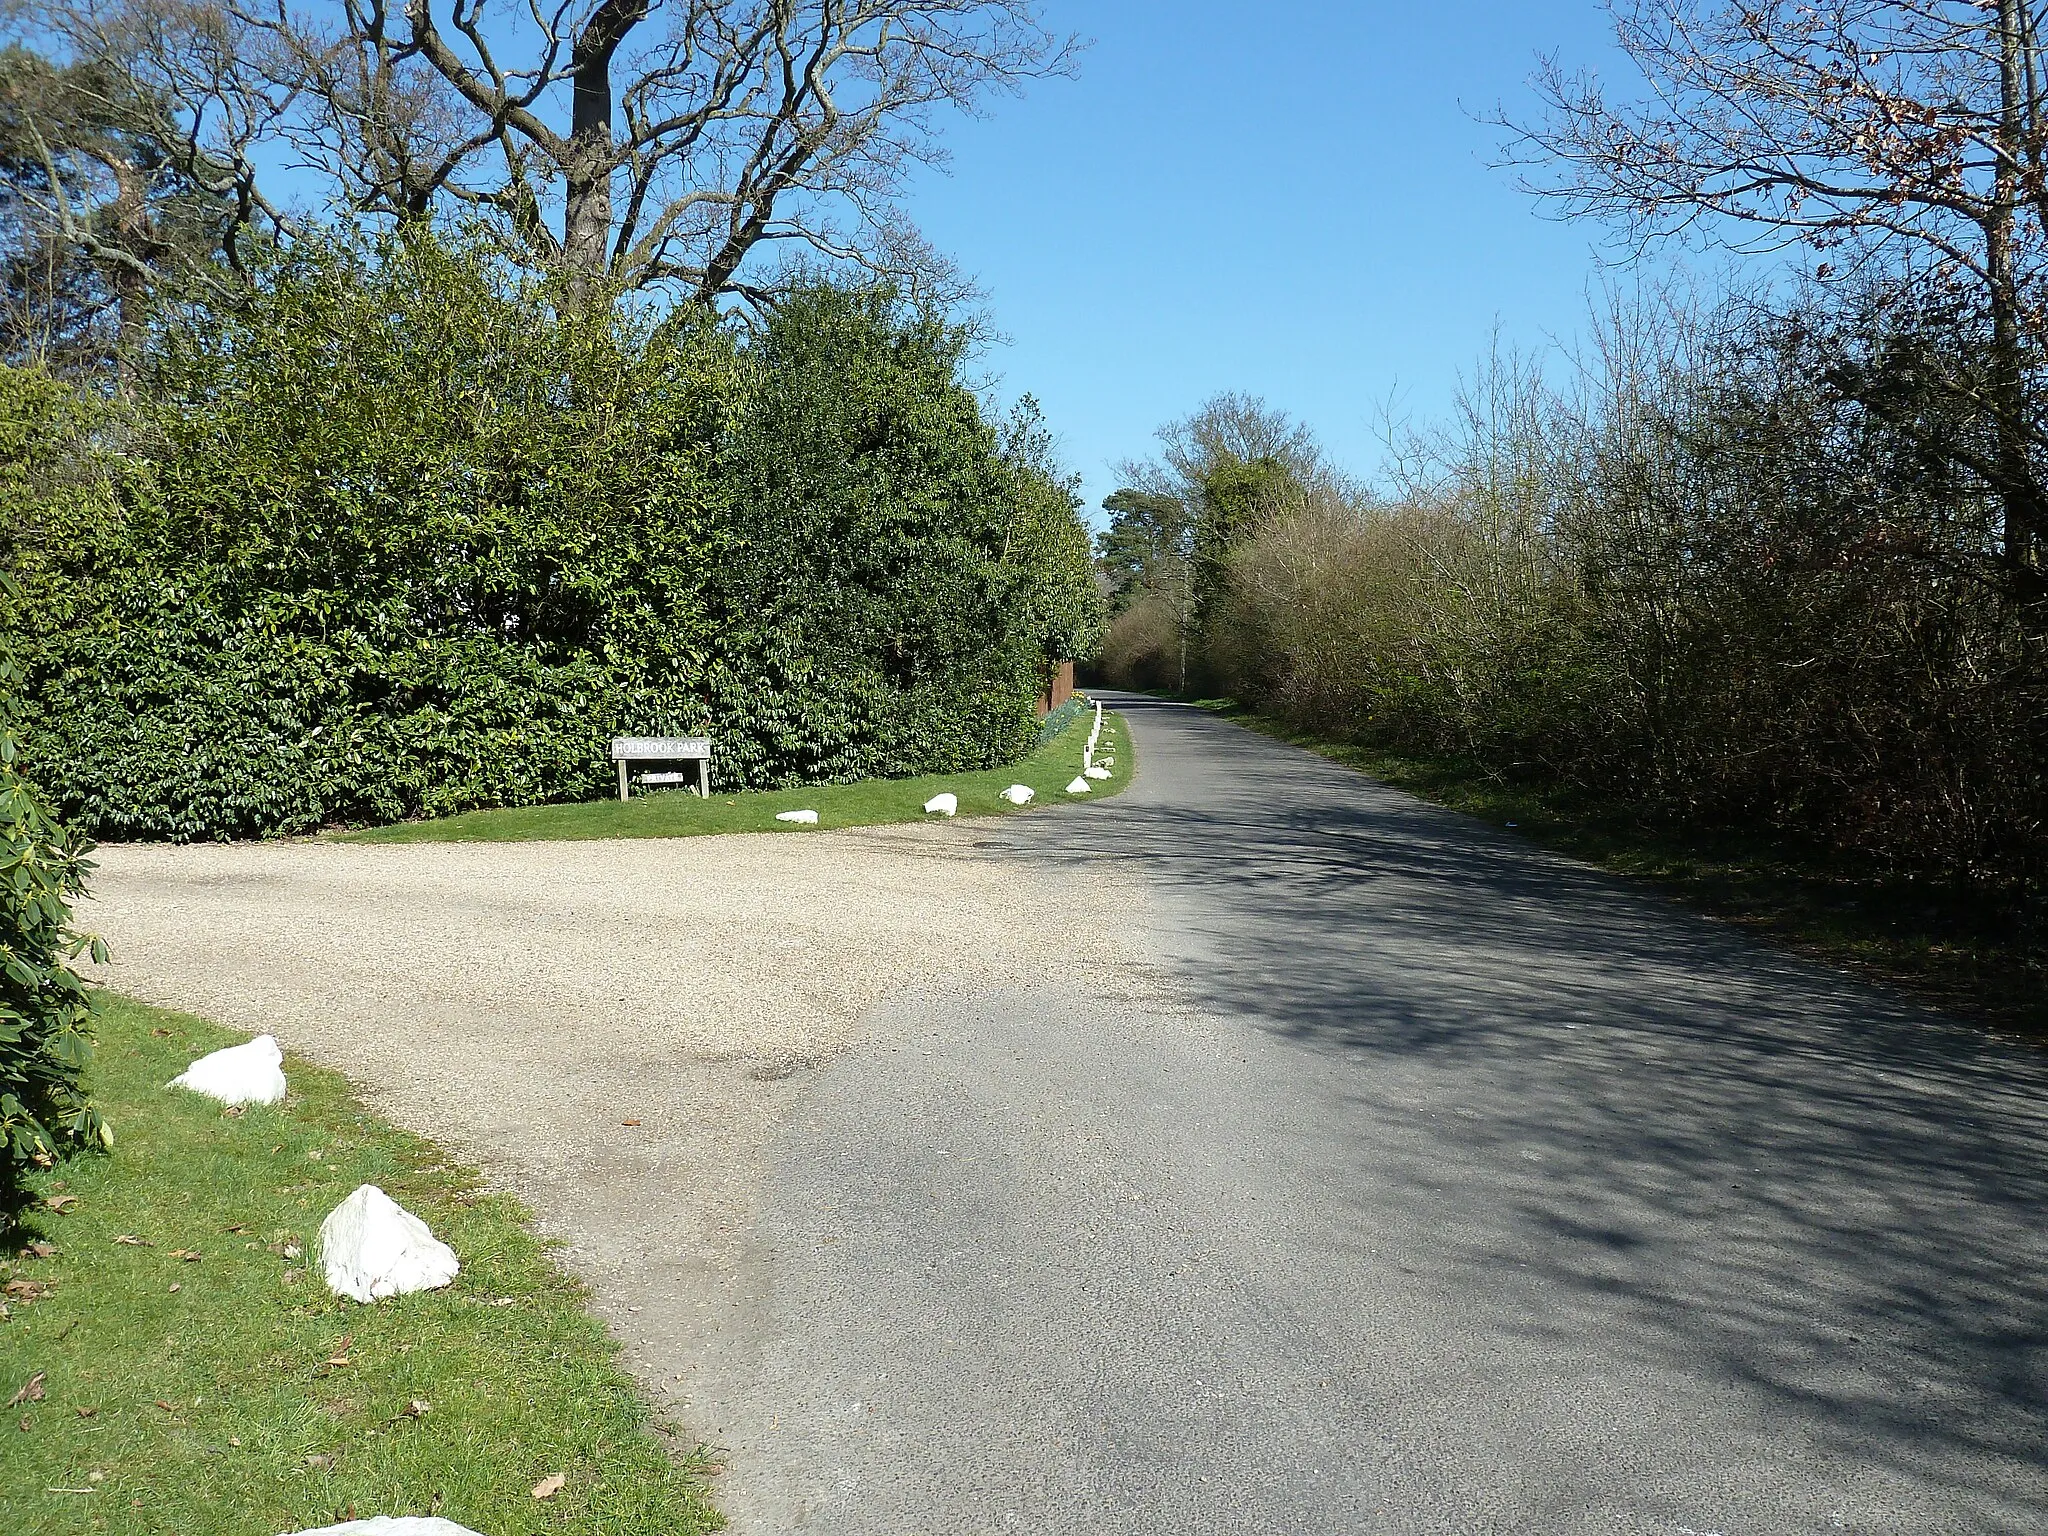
x=397 y=539
x=1237 y=496
x=45 y=1008
x=1141 y=548
x=1057 y=720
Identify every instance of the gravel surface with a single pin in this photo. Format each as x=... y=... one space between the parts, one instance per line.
x=1441 y=1185
x=519 y=1002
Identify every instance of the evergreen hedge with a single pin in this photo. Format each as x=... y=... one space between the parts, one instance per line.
x=45 y=1007
x=400 y=537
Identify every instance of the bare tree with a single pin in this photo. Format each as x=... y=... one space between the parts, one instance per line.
x=1908 y=136
x=628 y=143
x=125 y=160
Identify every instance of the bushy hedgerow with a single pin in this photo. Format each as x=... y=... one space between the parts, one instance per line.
x=45 y=1007
x=1713 y=589
x=400 y=538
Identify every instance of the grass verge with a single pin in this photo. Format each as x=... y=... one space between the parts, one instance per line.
x=871 y=802
x=1950 y=948
x=193 y=1375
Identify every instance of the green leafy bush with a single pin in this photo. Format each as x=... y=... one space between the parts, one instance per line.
x=45 y=1008
x=1058 y=720
x=399 y=538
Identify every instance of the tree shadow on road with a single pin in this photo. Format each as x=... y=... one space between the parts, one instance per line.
x=1644 y=1126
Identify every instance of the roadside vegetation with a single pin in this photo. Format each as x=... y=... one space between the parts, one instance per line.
x=1942 y=944
x=870 y=802
x=174 y=1365
x=546 y=427
x=394 y=536
x=1672 y=622
x=46 y=1007
x=1750 y=590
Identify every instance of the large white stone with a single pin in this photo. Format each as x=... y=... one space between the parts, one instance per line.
x=393 y=1525
x=800 y=818
x=1097 y=772
x=1018 y=794
x=942 y=804
x=1078 y=787
x=371 y=1247
x=252 y=1073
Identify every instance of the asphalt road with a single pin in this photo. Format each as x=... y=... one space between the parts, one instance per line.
x=1463 y=1190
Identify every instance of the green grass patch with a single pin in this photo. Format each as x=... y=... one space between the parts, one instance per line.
x=1953 y=948
x=232 y=1393
x=871 y=802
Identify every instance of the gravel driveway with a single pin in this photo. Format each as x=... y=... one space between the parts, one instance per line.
x=518 y=1002
x=1444 y=1186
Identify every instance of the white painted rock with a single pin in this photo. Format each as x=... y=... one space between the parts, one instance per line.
x=371 y=1246
x=1078 y=787
x=942 y=805
x=241 y=1074
x=801 y=818
x=389 y=1525
x=1098 y=772
x=1018 y=794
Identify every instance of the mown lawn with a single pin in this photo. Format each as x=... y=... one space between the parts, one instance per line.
x=1950 y=948
x=872 y=802
x=179 y=1367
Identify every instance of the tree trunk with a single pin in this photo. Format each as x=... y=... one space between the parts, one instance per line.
x=587 y=221
x=2020 y=494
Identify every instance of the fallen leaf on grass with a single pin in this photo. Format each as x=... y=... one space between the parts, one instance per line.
x=189 y=1255
x=87 y=1413
x=25 y=1422
x=61 y=1203
x=240 y=1226
x=548 y=1487
x=39 y=1251
x=176 y=1288
x=167 y=1408
x=27 y=1290
x=31 y=1393
x=133 y=1241
x=338 y=1356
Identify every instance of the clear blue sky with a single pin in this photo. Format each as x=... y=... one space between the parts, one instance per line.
x=1290 y=199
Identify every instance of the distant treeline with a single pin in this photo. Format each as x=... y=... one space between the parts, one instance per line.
x=1751 y=568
